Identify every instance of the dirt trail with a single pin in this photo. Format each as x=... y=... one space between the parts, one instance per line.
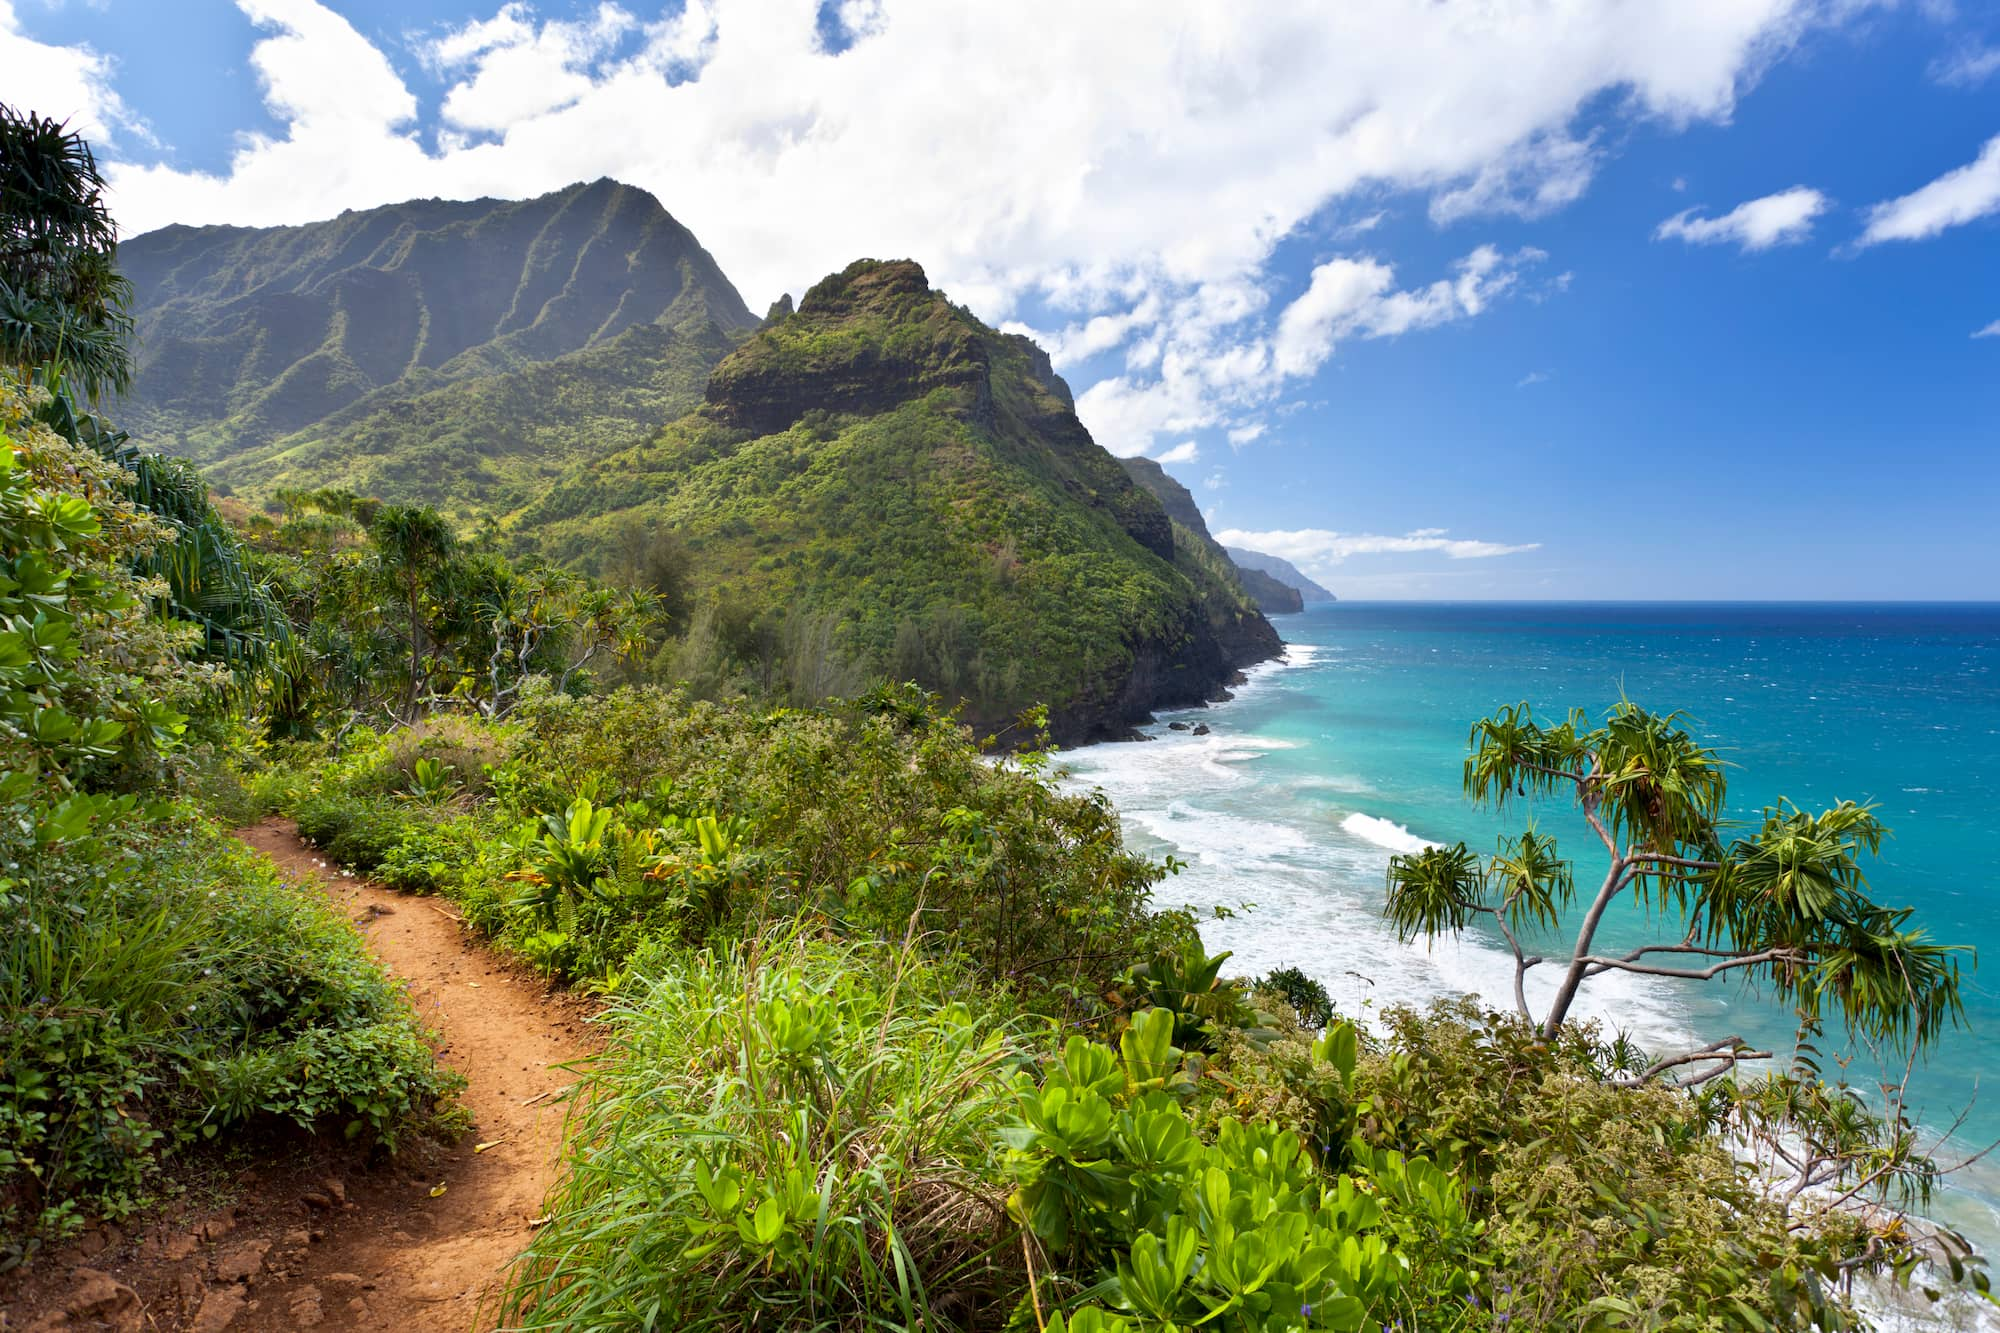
x=326 y=1236
x=424 y=1261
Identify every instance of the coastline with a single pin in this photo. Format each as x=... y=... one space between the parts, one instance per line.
x=1226 y=848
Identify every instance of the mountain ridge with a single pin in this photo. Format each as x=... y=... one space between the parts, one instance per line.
x=1282 y=570
x=265 y=343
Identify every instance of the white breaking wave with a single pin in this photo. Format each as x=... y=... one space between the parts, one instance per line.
x=1386 y=833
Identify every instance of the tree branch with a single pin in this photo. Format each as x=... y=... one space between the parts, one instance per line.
x=1595 y=964
x=1637 y=954
x=1685 y=861
x=1580 y=957
x=1728 y=1053
x=1521 y=962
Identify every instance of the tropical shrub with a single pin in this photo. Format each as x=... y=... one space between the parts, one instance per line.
x=163 y=984
x=1600 y=1206
x=1238 y=1231
x=616 y=819
x=1186 y=981
x=1305 y=995
x=356 y=831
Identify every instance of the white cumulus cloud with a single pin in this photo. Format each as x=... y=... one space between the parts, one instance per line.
x=72 y=84
x=1963 y=195
x=514 y=70
x=1529 y=181
x=1184 y=452
x=1784 y=218
x=1353 y=297
x=1990 y=331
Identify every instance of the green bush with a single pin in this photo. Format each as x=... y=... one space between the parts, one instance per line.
x=1239 y=1232
x=357 y=831
x=1601 y=1206
x=465 y=747
x=1302 y=993
x=880 y=819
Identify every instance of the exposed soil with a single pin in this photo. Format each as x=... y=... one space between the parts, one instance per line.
x=336 y=1238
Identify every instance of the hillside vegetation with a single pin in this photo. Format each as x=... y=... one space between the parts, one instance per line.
x=882 y=475
x=431 y=350
x=158 y=986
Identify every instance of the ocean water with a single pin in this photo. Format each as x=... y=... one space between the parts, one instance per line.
x=1349 y=750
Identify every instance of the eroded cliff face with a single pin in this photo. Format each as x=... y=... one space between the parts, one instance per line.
x=247 y=334
x=1272 y=597
x=860 y=342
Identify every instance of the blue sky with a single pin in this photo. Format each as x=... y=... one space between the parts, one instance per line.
x=1625 y=300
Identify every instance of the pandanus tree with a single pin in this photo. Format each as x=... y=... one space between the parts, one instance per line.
x=413 y=546
x=64 y=328
x=62 y=301
x=1783 y=900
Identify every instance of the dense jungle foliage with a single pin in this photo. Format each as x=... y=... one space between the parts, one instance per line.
x=158 y=984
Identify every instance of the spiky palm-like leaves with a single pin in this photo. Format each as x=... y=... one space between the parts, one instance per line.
x=1436 y=891
x=62 y=300
x=1787 y=901
x=205 y=569
x=63 y=323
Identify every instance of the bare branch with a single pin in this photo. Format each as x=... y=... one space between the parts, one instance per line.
x=1685 y=861
x=1727 y=1053
x=1521 y=962
x=1731 y=1062
x=1596 y=964
x=1681 y=948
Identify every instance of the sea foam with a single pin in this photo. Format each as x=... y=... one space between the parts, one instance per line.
x=1385 y=833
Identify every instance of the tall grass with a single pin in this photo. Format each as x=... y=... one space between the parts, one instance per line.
x=794 y=1135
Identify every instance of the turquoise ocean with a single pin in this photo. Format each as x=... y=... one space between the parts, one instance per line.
x=1349 y=749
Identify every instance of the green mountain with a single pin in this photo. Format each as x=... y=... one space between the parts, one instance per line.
x=1191 y=529
x=432 y=350
x=1281 y=569
x=890 y=485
